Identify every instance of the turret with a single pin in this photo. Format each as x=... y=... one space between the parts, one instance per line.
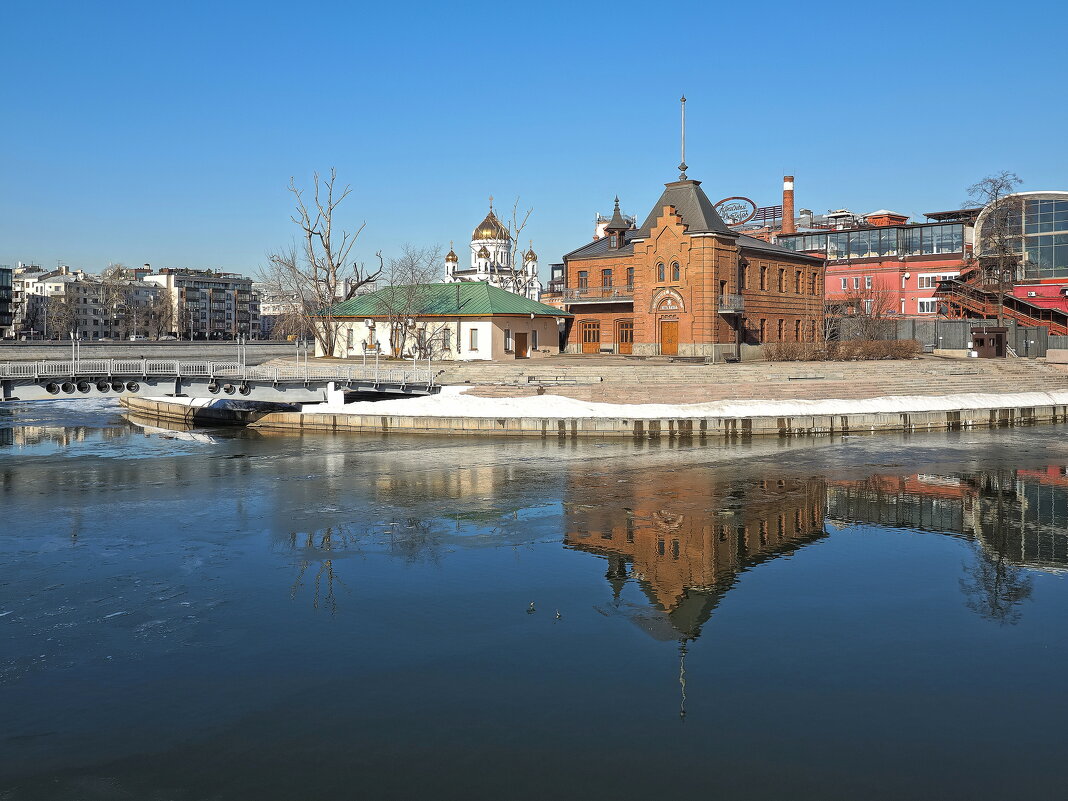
x=616 y=228
x=451 y=261
x=530 y=260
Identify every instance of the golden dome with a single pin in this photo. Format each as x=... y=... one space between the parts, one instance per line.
x=490 y=228
x=451 y=256
x=530 y=255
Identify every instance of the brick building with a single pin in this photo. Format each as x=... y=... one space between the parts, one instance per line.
x=685 y=283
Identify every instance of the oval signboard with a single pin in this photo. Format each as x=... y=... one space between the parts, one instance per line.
x=736 y=210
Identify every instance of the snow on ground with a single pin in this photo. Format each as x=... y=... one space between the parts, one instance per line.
x=452 y=402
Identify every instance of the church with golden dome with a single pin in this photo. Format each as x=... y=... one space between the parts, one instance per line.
x=492 y=260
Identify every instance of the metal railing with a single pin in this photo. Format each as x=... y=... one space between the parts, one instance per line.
x=731 y=304
x=234 y=371
x=581 y=293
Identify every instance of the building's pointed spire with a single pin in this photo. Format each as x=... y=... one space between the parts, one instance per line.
x=617 y=223
x=682 y=164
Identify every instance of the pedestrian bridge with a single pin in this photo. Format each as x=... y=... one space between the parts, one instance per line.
x=295 y=383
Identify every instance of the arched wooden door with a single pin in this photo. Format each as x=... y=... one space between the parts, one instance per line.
x=591 y=336
x=669 y=337
x=625 y=336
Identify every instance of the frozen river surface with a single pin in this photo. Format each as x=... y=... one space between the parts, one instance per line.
x=226 y=615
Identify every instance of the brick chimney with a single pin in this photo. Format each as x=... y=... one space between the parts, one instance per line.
x=788 y=205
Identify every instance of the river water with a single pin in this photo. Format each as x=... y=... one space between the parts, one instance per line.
x=224 y=614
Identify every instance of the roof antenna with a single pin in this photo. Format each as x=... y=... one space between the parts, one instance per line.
x=682 y=164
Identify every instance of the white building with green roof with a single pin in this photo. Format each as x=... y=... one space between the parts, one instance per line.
x=472 y=320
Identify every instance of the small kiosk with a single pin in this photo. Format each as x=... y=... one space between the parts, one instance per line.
x=989 y=343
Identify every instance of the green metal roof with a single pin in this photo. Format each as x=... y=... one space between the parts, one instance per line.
x=466 y=298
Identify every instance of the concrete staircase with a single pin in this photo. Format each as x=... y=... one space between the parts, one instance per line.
x=673 y=383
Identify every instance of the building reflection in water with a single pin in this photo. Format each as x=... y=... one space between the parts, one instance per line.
x=684 y=539
x=1017 y=519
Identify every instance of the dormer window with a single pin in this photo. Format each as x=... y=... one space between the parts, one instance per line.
x=615 y=240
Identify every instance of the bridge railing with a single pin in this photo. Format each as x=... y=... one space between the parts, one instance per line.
x=234 y=371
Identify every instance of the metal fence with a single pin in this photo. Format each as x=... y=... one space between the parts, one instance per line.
x=234 y=371
x=1026 y=341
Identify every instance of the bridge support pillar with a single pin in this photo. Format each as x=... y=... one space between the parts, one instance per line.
x=335 y=394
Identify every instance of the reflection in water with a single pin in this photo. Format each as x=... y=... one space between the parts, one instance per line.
x=684 y=539
x=218 y=563
x=1017 y=519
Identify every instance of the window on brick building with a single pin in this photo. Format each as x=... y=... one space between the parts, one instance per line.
x=606 y=278
x=812 y=331
x=797 y=330
x=782 y=280
x=743 y=277
x=630 y=276
x=867 y=282
x=845 y=284
x=676 y=271
x=797 y=283
x=856 y=282
x=583 y=279
x=661 y=273
x=763 y=329
x=782 y=329
x=764 y=278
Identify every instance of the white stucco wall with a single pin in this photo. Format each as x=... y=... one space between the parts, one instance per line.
x=490 y=339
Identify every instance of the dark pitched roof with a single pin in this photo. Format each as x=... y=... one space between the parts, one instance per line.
x=617 y=223
x=752 y=243
x=437 y=300
x=602 y=247
x=693 y=205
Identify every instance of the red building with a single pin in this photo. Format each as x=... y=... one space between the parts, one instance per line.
x=880 y=262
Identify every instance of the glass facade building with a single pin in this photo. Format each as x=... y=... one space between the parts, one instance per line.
x=6 y=294
x=880 y=242
x=1037 y=228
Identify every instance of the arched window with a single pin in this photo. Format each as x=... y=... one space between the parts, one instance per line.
x=676 y=272
x=661 y=274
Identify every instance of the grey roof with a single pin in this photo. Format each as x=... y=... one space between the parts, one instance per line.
x=752 y=243
x=617 y=223
x=693 y=205
x=602 y=247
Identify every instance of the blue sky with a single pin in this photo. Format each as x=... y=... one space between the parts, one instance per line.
x=166 y=133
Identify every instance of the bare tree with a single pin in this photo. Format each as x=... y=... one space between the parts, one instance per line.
x=865 y=312
x=317 y=271
x=998 y=247
x=160 y=315
x=115 y=300
x=404 y=299
x=61 y=316
x=519 y=281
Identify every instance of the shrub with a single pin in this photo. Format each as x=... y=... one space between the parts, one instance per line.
x=846 y=351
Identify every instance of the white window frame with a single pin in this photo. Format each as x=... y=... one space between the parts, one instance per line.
x=931 y=303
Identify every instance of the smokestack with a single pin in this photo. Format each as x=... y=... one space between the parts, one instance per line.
x=788 y=205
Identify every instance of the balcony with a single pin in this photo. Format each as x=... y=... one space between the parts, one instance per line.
x=731 y=304
x=591 y=294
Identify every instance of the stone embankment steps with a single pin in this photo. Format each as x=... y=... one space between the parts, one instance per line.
x=616 y=380
x=849 y=380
